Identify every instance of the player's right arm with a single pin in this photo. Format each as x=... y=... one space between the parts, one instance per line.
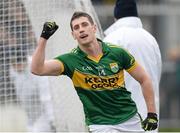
x=39 y=65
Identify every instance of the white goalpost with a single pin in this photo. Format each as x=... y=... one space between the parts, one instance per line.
x=38 y=102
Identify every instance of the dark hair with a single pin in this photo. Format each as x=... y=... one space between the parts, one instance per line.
x=125 y=8
x=79 y=14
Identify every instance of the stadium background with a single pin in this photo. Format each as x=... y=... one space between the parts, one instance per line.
x=159 y=17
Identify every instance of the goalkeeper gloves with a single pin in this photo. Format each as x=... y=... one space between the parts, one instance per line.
x=151 y=122
x=48 y=29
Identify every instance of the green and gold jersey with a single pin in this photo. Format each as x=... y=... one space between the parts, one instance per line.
x=100 y=84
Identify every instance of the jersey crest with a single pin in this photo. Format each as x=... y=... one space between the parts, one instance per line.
x=114 y=67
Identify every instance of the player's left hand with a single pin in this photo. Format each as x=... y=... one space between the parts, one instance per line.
x=151 y=122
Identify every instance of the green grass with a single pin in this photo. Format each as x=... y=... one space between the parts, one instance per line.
x=169 y=130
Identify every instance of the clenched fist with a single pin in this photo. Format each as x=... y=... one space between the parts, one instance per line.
x=48 y=29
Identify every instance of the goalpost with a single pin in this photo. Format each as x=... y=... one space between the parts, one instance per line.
x=21 y=22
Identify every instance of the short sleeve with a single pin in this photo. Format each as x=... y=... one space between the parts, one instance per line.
x=64 y=60
x=129 y=62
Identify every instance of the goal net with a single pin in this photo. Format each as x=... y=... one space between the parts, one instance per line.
x=29 y=102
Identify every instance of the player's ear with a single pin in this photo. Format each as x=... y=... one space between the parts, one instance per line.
x=73 y=35
x=95 y=28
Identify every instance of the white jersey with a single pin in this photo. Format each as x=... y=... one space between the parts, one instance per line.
x=34 y=96
x=128 y=33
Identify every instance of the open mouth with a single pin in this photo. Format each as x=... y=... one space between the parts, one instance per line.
x=83 y=36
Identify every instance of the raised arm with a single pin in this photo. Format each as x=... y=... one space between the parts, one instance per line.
x=39 y=65
x=138 y=73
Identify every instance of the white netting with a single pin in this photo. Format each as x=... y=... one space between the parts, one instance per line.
x=21 y=23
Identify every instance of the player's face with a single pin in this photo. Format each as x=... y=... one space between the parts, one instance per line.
x=83 y=30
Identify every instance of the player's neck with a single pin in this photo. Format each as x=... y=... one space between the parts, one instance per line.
x=94 y=49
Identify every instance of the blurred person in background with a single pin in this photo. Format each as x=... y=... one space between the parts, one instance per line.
x=7 y=92
x=15 y=29
x=174 y=56
x=32 y=93
x=128 y=32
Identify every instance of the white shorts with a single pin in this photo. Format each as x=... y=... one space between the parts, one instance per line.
x=131 y=125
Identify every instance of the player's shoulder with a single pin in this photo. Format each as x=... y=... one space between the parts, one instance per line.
x=117 y=49
x=114 y=47
x=74 y=51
